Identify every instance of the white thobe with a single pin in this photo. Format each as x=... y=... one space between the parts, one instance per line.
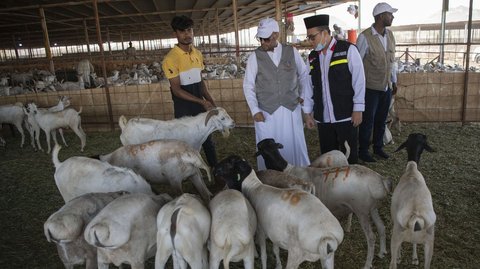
x=285 y=126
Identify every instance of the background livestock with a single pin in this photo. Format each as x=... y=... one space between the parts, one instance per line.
x=28 y=195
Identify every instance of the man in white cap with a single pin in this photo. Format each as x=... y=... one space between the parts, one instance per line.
x=377 y=49
x=274 y=83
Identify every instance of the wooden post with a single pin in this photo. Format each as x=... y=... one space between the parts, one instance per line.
x=87 y=40
x=102 y=58
x=46 y=40
x=121 y=39
x=235 y=24
x=278 y=18
x=108 y=42
x=218 y=30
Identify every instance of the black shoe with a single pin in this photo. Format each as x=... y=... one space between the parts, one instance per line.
x=380 y=153
x=366 y=158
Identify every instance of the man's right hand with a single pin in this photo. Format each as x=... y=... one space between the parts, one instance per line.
x=258 y=117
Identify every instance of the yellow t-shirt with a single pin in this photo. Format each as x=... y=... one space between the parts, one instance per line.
x=187 y=65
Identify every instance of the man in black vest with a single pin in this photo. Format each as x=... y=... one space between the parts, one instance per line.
x=338 y=80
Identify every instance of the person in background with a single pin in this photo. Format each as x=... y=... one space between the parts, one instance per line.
x=131 y=51
x=182 y=67
x=273 y=86
x=377 y=49
x=338 y=85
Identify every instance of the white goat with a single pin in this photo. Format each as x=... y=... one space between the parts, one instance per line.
x=292 y=219
x=71 y=86
x=163 y=161
x=192 y=130
x=50 y=121
x=13 y=114
x=66 y=226
x=343 y=190
x=124 y=231
x=412 y=210
x=79 y=175
x=183 y=230
x=233 y=228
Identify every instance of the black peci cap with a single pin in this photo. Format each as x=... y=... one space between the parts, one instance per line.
x=317 y=20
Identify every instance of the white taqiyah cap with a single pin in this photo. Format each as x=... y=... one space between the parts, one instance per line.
x=383 y=7
x=266 y=27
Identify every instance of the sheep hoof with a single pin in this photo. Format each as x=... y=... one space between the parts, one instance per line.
x=381 y=254
x=415 y=261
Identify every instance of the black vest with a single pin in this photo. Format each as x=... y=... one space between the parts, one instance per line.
x=340 y=81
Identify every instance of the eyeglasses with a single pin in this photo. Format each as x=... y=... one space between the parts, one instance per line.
x=312 y=37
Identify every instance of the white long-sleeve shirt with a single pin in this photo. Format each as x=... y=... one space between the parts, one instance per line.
x=362 y=46
x=251 y=75
x=355 y=66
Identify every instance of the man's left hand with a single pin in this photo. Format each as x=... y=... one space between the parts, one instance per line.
x=394 y=88
x=356 y=118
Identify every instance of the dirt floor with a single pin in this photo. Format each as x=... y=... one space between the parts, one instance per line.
x=28 y=196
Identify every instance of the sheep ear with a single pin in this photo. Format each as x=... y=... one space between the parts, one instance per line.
x=280 y=146
x=402 y=146
x=257 y=154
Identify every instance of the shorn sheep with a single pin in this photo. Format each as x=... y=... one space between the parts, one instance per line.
x=192 y=130
x=412 y=210
x=292 y=219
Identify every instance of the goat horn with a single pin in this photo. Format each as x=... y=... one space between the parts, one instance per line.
x=210 y=114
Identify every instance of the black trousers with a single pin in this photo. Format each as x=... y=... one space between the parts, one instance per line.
x=192 y=109
x=333 y=136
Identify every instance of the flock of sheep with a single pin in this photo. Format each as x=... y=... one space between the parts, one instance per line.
x=112 y=215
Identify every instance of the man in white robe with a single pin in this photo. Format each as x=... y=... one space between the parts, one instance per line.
x=274 y=84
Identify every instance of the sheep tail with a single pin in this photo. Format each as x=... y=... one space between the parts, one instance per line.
x=228 y=254
x=173 y=232
x=55 y=159
x=80 y=110
x=416 y=223
x=122 y=121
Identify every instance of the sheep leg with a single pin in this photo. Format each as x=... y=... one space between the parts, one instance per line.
x=81 y=134
x=162 y=255
x=200 y=186
x=348 y=227
x=249 y=260
x=260 y=238
x=20 y=130
x=294 y=258
x=54 y=136
x=395 y=245
x=103 y=265
x=37 y=138
x=276 y=251
x=381 y=232
x=47 y=134
x=215 y=256
x=138 y=265
x=60 y=131
x=367 y=229
x=414 y=254
x=90 y=264
x=428 y=250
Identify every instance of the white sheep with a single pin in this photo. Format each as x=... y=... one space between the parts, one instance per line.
x=183 y=230
x=124 y=231
x=163 y=161
x=292 y=219
x=14 y=114
x=232 y=231
x=50 y=121
x=333 y=158
x=412 y=210
x=343 y=190
x=65 y=228
x=79 y=175
x=192 y=130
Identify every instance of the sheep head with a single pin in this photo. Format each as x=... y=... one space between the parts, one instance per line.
x=221 y=120
x=268 y=149
x=233 y=170
x=415 y=144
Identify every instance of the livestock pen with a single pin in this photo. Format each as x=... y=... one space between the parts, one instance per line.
x=28 y=196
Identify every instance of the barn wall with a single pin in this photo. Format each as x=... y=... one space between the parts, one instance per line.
x=422 y=97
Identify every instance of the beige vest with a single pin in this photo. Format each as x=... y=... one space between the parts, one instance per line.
x=378 y=62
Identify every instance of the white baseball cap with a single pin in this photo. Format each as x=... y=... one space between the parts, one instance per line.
x=266 y=27
x=383 y=7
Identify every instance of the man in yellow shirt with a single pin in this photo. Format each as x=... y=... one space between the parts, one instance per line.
x=182 y=67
